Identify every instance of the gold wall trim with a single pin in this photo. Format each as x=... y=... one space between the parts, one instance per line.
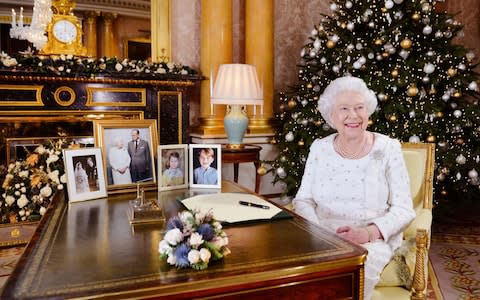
x=86 y=115
x=34 y=102
x=176 y=83
x=92 y=90
x=68 y=90
x=179 y=114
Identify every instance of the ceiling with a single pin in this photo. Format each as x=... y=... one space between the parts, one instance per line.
x=134 y=8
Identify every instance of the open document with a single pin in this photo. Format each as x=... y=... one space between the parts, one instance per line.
x=235 y=207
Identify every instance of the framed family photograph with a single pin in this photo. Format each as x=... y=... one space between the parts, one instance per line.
x=205 y=165
x=129 y=148
x=85 y=174
x=172 y=167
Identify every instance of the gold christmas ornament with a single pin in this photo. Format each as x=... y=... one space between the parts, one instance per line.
x=330 y=44
x=309 y=86
x=292 y=103
x=301 y=143
x=370 y=122
x=416 y=16
x=273 y=141
x=412 y=91
x=406 y=44
x=431 y=139
x=457 y=95
x=393 y=118
x=378 y=42
x=459 y=141
x=262 y=170
x=343 y=25
x=394 y=73
x=444 y=193
x=318 y=123
x=439 y=114
x=432 y=91
x=385 y=54
x=451 y=72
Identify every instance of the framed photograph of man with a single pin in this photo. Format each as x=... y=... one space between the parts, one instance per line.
x=129 y=148
x=205 y=165
x=172 y=166
x=85 y=174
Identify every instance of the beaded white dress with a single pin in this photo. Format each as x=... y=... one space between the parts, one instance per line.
x=374 y=189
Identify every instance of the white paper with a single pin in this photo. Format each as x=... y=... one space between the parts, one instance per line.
x=225 y=207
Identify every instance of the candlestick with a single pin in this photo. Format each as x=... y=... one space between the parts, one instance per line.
x=14 y=18
x=20 y=22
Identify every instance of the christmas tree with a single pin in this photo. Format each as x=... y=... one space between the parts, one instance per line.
x=425 y=84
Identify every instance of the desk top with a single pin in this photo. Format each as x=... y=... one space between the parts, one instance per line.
x=89 y=249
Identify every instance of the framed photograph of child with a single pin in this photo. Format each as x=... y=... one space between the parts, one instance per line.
x=85 y=174
x=129 y=148
x=172 y=167
x=205 y=165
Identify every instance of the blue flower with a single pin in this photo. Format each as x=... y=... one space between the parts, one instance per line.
x=206 y=231
x=181 y=252
x=175 y=222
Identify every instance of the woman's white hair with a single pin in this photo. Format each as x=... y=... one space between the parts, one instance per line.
x=340 y=85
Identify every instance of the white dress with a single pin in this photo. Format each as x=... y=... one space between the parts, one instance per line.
x=81 y=179
x=374 y=189
x=119 y=159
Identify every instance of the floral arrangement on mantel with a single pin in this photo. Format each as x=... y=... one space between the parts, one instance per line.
x=29 y=185
x=193 y=239
x=69 y=65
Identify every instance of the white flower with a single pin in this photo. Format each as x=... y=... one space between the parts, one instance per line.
x=217 y=226
x=170 y=65
x=61 y=68
x=63 y=178
x=42 y=210
x=60 y=187
x=17 y=185
x=69 y=56
x=46 y=191
x=164 y=247
x=219 y=242
x=9 y=62
x=17 y=193
x=40 y=149
x=187 y=218
x=194 y=256
x=118 y=67
x=23 y=190
x=40 y=64
x=172 y=259
x=52 y=158
x=173 y=236
x=199 y=217
x=184 y=72
x=23 y=174
x=22 y=201
x=54 y=176
x=62 y=56
x=205 y=255
x=9 y=200
x=161 y=71
x=68 y=70
x=21 y=213
x=196 y=239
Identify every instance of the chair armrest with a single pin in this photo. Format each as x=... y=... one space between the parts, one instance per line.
x=420 y=274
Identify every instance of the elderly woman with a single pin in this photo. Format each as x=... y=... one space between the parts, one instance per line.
x=355 y=182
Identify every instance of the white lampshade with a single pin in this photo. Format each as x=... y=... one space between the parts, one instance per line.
x=237 y=84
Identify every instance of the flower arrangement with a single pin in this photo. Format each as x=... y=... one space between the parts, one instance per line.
x=65 y=65
x=193 y=239
x=28 y=185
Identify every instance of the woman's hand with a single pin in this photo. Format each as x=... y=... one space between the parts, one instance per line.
x=357 y=235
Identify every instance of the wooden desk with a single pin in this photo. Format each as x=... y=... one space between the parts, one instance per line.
x=89 y=249
x=250 y=153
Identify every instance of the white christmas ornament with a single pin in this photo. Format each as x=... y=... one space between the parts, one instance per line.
x=473 y=86
x=357 y=65
x=350 y=26
x=428 y=68
x=470 y=55
x=403 y=54
x=427 y=30
x=281 y=172
x=459 y=176
x=333 y=7
x=348 y=4
x=289 y=136
x=445 y=97
x=317 y=44
x=473 y=173
x=389 y=4
x=457 y=113
x=461 y=160
x=414 y=139
x=304 y=102
x=398 y=1
x=411 y=114
x=335 y=38
x=323 y=60
x=314 y=32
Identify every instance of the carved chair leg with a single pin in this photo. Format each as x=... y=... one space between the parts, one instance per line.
x=419 y=280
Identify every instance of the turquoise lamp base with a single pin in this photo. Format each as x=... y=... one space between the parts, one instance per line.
x=235 y=122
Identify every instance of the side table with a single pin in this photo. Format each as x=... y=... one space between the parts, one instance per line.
x=249 y=153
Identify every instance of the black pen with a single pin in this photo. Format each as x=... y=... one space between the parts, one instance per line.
x=253 y=204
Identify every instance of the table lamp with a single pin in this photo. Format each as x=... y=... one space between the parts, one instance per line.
x=236 y=85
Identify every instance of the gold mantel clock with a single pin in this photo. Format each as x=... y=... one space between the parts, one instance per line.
x=64 y=32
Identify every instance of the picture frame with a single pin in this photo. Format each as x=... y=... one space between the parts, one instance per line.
x=208 y=151
x=84 y=168
x=128 y=164
x=172 y=166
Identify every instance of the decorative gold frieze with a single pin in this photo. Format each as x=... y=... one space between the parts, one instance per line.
x=100 y=96
x=25 y=95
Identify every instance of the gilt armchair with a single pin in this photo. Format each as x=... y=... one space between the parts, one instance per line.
x=405 y=277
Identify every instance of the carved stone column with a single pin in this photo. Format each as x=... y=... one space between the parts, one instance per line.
x=90 y=30
x=215 y=49
x=160 y=28
x=108 y=41
x=259 y=50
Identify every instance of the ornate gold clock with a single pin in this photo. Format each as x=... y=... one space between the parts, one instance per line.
x=64 y=32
